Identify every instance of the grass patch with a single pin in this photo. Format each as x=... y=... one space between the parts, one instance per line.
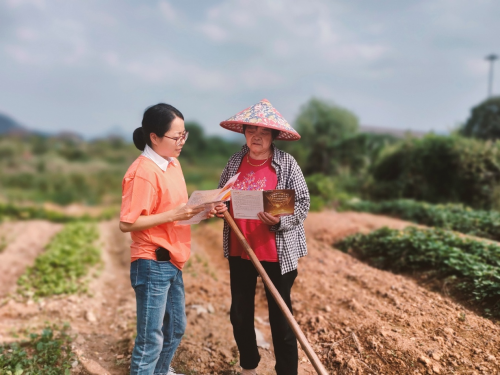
x=48 y=353
x=62 y=267
x=470 y=266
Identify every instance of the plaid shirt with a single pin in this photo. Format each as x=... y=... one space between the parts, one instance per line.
x=290 y=234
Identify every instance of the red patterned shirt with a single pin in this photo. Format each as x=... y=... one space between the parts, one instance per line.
x=257 y=234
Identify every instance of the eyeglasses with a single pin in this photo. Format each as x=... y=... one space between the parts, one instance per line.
x=178 y=140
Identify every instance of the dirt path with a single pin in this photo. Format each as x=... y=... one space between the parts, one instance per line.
x=400 y=326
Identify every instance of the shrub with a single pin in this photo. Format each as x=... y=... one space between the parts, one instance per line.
x=440 y=169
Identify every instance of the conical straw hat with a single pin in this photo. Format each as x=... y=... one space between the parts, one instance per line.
x=262 y=114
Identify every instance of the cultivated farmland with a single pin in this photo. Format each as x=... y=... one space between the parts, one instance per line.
x=406 y=323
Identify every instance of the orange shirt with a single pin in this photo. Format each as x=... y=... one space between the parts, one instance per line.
x=148 y=190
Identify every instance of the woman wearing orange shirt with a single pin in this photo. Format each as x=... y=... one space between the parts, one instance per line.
x=154 y=198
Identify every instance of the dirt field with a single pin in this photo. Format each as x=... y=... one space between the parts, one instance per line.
x=360 y=320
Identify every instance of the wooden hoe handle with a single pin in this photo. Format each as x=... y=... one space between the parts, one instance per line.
x=320 y=369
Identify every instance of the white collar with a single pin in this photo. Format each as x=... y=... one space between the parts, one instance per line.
x=160 y=161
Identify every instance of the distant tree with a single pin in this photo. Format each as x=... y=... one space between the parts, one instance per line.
x=196 y=142
x=484 y=122
x=356 y=154
x=322 y=125
x=203 y=148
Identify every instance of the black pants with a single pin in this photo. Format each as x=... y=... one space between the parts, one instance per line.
x=243 y=282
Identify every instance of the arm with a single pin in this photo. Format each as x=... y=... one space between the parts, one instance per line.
x=139 y=198
x=224 y=177
x=181 y=212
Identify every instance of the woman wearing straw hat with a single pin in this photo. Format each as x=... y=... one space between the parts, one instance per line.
x=278 y=242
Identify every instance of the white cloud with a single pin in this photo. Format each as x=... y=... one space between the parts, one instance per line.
x=60 y=42
x=289 y=29
x=20 y=55
x=40 y=4
x=214 y=32
x=168 y=11
x=111 y=58
x=27 y=34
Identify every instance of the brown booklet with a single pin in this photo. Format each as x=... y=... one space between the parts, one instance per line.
x=248 y=203
x=279 y=202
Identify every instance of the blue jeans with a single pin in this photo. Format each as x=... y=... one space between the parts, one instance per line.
x=161 y=315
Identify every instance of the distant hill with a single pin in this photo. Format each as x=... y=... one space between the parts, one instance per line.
x=9 y=125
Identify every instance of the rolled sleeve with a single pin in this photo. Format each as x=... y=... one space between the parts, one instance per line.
x=138 y=198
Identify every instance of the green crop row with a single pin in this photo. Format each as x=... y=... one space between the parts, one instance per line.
x=15 y=212
x=62 y=267
x=448 y=216
x=48 y=353
x=470 y=265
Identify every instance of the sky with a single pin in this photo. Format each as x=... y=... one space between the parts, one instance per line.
x=93 y=67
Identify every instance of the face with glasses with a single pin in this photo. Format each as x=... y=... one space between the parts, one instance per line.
x=171 y=143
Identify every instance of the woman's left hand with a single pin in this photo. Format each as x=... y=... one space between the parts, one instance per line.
x=220 y=209
x=212 y=213
x=268 y=219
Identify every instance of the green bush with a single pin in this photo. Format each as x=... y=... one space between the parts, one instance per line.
x=440 y=169
x=471 y=266
x=63 y=265
x=321 y=186
x=329 y=191
x=447 y=216
x=46 y=354
x=317 y=203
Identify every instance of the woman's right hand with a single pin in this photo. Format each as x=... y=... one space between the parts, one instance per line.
x=184 y=212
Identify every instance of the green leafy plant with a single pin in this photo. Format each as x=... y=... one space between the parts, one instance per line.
x=62 y=267
x=480 y=223
x=48 y=353
x=472 y=264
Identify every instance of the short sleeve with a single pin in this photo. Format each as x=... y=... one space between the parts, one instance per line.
x=138 y=198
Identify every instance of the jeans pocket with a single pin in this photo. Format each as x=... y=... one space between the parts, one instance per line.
x=134 y=271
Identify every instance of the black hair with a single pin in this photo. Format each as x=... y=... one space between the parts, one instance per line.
x=274 y=132
x=157 y=119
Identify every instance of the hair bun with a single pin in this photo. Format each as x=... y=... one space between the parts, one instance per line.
x=139 y=139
